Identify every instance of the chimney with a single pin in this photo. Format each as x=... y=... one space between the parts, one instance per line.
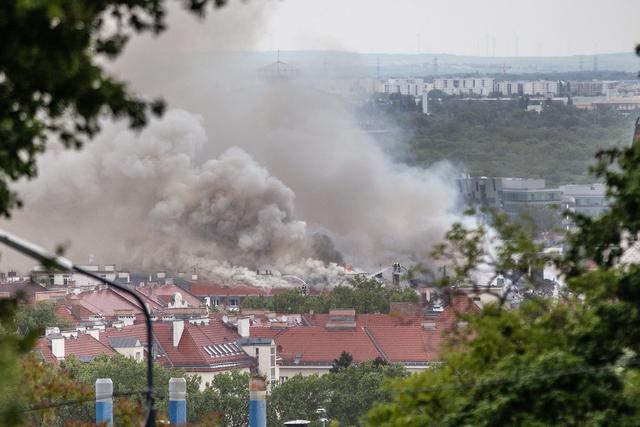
x=243 y=327
x=51 y=330
x=57 y=346
x=178 y=329
x=95 y=333
x=397 y=271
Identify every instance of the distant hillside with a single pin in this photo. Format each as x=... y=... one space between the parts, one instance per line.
x=501 y=139
x=372 y=64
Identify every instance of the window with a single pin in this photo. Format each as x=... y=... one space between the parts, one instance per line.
x=138 y=355
x=273 y=356
x=257 y=352
x=233 y=302
x=282 y=379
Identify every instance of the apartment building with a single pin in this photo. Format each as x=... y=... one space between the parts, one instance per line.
x=482 y=86
x=409 y=86
x=545 y=88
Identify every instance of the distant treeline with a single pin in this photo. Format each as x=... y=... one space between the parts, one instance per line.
x=500 y=138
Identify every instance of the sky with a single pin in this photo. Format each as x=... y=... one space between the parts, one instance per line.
x=463 y=27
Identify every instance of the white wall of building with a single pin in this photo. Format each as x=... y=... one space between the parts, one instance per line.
x=414 y=87
x=482 y=86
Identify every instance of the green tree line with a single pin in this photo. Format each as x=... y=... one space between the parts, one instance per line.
x=500 y=138
x=364 y=295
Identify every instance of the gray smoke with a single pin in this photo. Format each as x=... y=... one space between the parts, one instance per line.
x=246 y=174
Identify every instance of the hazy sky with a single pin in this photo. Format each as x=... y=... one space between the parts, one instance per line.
x=478 y=27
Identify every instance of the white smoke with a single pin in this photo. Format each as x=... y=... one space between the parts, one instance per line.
x=246 y=175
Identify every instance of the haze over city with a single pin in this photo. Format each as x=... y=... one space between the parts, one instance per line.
x=319 y=213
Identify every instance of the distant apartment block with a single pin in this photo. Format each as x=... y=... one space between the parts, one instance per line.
x=531 y=88
x=471 y=86
x=587 y=88
x=413 y=87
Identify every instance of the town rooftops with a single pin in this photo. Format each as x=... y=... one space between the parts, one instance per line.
x=317 y=345
x=255 y=341
x=124 y=342
x=83 y=346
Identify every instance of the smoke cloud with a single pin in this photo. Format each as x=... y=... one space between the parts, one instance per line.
x=245 y=174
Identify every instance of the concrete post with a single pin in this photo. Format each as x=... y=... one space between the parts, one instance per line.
x=177 y=401
x=104 y=401
x=257 y=402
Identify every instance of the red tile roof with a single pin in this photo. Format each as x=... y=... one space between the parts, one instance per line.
x=190 y=353
x=82 y=346
x=163 y=294
x=106 y=302
x=366 y=320
x=407 y=344
x=396 y=338
x=313 y=345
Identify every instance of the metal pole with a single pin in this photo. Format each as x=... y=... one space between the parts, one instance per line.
x=49 y=260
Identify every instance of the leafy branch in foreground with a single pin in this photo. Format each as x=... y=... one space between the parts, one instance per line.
x=574 y=362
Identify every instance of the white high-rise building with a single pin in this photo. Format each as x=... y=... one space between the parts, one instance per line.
x=481 y=86
x=530 y=87
x=414 y=87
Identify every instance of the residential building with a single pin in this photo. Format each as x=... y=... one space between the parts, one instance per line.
x=200 y=348
x=409 y=86
x=77 y=280
x=587 y=88
x=481 y=86
x=412 y=338
x=32 y=292
x=546 y=88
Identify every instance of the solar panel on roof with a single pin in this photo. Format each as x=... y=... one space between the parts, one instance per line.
x=206 y=348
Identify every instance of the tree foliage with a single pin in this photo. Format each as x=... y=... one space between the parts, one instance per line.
x=499 y=138
x=364 y=295
x=346 y=394
x=573 y=362
x=54 y=87
x=37 y=317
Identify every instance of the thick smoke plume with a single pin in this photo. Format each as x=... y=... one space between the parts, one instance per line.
x=245 y=174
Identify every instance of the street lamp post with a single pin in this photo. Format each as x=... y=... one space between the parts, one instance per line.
x=49 y=260
x=322 y=413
